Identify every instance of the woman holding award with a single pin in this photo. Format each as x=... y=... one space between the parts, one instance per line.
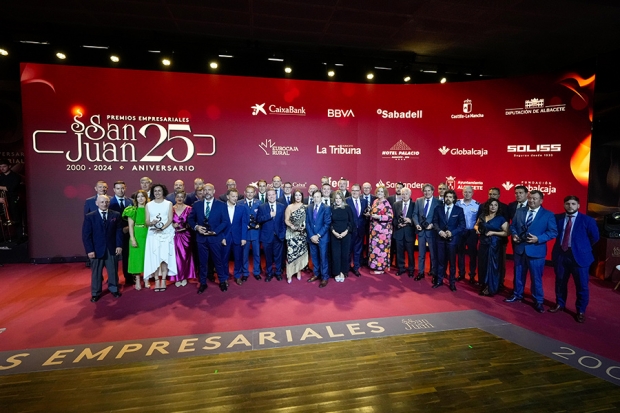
x=492 y=227
x=182 y=241
x=380 y=237
x=136 y=217
x=296 y=237
x=159 y=257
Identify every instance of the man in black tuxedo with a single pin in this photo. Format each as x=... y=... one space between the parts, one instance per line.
x=102 y=236
x=449 y=222
x=118 y=203
x=404 y=233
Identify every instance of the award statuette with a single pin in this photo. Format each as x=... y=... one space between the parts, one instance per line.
x=482 y=227
x=253 y=224
x=401 y=221
x=207 y=226
x=159 y=224
x=367 y=210
x=424 y=224
x=523 y=235
x=448 y=239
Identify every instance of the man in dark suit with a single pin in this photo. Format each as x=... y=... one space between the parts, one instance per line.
x=392 y=199
x=118 y=203
x=237 y=235
x=276 y=184
x=423 y=213
x=102 y=236
x=404 y=232
x=311 y=190
x=531 y=229
x=326 y=191
x=209 y=218
x=370 y=198
x=230 y=184
x=572 y=254
x=145 y=185
x=449 y=223
x=342 y=186
x=101 y=188
x=262 y=191
x=318 y=221
x=286 y=197
x=253 y=235
x=272 y=234
x=358 y=206
x=193 y=196
x=519 y=202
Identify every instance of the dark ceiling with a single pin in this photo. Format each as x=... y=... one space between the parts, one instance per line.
x=489 y=37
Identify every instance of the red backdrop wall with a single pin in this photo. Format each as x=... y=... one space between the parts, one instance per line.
x=87 y=124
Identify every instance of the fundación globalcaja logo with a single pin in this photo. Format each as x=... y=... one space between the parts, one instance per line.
x=270 y=148
x=463 y=151
x=277 y=110
x=467 y=111
x=534 y=106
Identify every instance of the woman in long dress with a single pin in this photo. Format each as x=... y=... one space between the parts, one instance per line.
x=135 y=216
x=380 y=237
x=296 y=237
x=492 y=227
x=343 y=225
x=159 y=258
x=182 y=241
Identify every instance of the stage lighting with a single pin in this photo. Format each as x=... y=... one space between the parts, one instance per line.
x=4 y=52
x=61 y=56
x=407 y=78
x=443 y=80
x=213 y=65
x=331 y=73
x=166 y=62
x=370 y=76
x=115 y=58
x=288 y=69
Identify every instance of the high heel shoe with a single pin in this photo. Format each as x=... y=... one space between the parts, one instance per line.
x=156 y=289
x=299 y=276
x=136 y=280
x=162 y=285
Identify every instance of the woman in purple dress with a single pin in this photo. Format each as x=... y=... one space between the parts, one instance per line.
x=182 y=241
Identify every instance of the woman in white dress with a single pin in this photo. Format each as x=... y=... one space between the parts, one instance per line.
x=159 y=258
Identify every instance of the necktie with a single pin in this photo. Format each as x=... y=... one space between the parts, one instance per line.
x=122 y=203
x=316 y=211
x=207 y=210
x=288 y=199
x=426 y=209
x=357 y=207
x=262 y=198
x=272 y=208
x=448 y=213
x=250 y=204
x=566 y=237
x=105 y=219
x=405 y=209
x=326 y=202
x=530 y=218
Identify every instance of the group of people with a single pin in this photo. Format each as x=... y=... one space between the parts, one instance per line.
x=179 y=236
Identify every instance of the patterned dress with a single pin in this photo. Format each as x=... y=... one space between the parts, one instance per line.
x=297 y=243
x=183 y=246
x=380 y=236
x=136 y=254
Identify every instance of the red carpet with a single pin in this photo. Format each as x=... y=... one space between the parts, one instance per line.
x=48 y=305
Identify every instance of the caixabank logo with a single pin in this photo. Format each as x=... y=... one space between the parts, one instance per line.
x=259 y=109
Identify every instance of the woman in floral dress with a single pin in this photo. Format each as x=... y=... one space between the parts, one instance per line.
x=381 y=216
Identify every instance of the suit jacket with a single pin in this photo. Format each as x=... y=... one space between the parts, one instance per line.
x=271 y=228
x=282 y=199
x=455 y=223
x=372 y=198
x=511 y=210
x=321 y=225
x=90 y=205
x=98 y=237
x=223 y=198
x=238 y=229
x=115 y=206
x=408 y=231
x=392 y=200
x=361 y=222
x=218 y=220
x=584 y=235
x=189 y=198
x=253 y=234
x=418 y=212
x=543 y=226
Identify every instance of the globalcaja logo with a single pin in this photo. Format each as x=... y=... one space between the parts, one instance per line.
x=400 y=151
x=270 y=148
x=277 y=110
x=534 y=151
x=340 y=113
x=546 y=187
x=507 y=185
x=534 y=106
x=394 y=114
x=467 y=111
x=463 y=151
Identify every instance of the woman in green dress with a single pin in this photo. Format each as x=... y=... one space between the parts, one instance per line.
x=137 y=236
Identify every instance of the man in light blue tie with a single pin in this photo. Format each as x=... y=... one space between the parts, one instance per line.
x=531 y=229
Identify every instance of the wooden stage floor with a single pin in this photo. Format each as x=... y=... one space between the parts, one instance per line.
x=465 y=370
